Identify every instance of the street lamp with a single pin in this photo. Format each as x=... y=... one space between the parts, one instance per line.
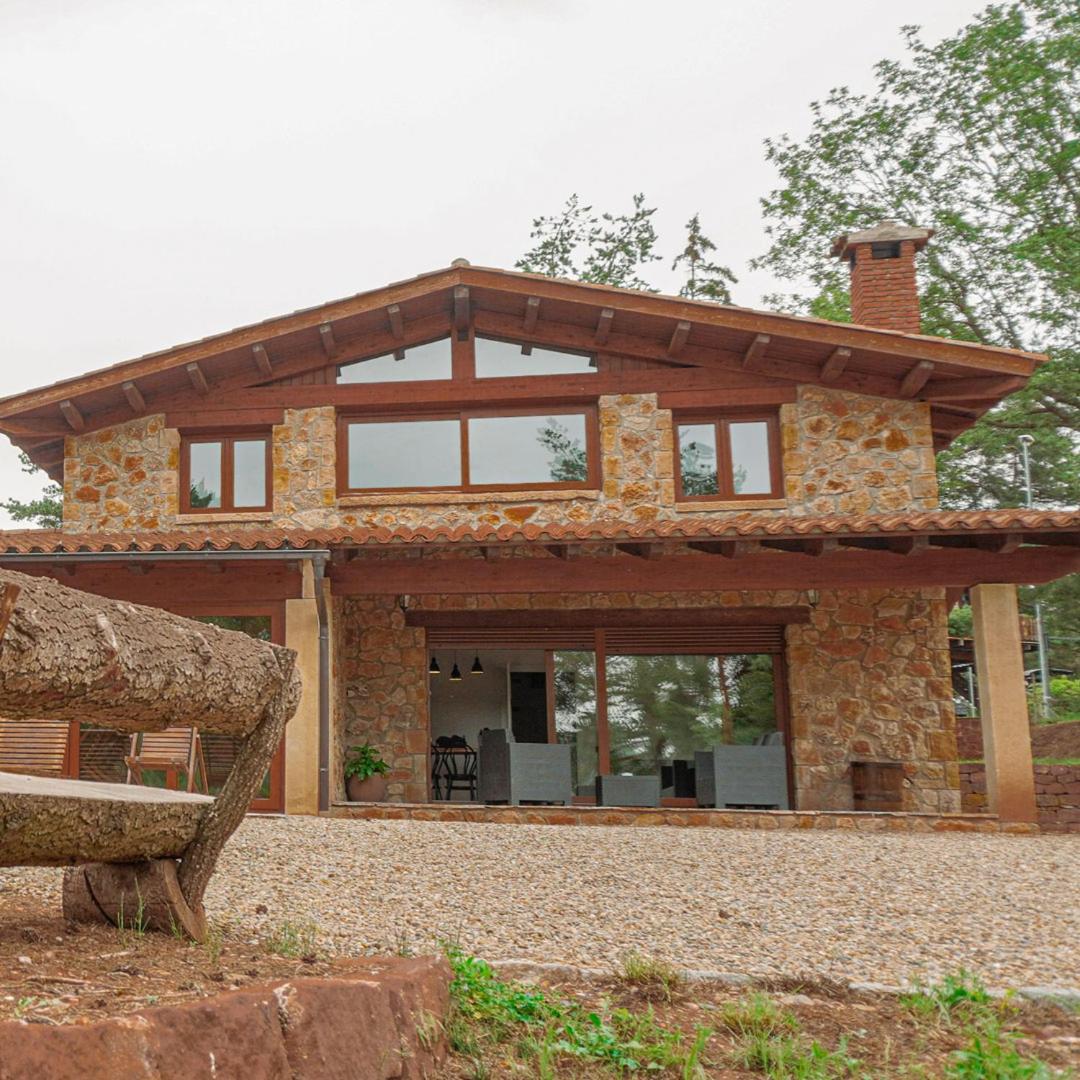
x=1044 y=659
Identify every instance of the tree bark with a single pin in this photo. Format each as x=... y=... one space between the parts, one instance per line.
x=74 y=656
x=70 y=655
x=47 y=822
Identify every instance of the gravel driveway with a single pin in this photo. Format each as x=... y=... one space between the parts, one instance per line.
x=884 y=908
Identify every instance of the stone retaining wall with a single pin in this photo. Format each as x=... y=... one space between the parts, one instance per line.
x=642 y=817
x=383 y=1019
x=1057 y=794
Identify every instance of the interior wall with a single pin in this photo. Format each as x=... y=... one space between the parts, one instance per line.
x=478 y=701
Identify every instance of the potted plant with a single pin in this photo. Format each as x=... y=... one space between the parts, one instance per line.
x=365 y=774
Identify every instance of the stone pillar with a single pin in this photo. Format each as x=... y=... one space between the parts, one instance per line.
x=302 y=732
x=999 y=663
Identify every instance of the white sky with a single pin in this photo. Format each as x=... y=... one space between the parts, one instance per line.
x=171 y=170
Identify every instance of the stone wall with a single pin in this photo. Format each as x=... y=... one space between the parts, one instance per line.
x=1057 y=794
x=868 y=678
x=842 y=453
x=122 y=478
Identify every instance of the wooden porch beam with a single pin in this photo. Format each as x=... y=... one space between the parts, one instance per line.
x=755 y=353
x=835 y=364
x=916 y=379
x=71 y=414
x=197 y=378
x=532 y=313
x=133 y=396
x=261 y=359
x=640 y=551
x=974 y=389
x=679 y=338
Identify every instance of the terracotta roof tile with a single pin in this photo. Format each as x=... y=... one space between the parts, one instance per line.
x=747 y=526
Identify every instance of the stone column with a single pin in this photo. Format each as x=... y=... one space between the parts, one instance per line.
x=999 y=663
x=302 y=732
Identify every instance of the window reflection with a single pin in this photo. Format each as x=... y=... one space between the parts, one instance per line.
x=429 y=361
x=750 y=472
x=404 y=454
x=205 y=475
x=527 y=449
x=249 y=472
x=502 y=359
x=697 y=459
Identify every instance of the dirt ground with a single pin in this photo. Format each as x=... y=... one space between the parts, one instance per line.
x=1056 y=740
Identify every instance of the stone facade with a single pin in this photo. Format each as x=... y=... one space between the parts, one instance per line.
x=1057 y=794
x=122 y=478
x=842 y=453
x=868 y=678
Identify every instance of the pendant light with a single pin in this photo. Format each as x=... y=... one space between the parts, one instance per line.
x=477 y=668
x=433 y=667
x=455 y=671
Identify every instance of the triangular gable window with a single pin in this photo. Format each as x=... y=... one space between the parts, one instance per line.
x=419 y=362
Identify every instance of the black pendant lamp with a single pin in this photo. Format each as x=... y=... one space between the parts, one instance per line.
x=455 y=672
x=477 y=668
x=433 y=667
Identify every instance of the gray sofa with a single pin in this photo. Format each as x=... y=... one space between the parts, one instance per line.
x=513 y=772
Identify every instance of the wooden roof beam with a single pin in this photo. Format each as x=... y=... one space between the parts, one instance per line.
x=679 y=337
x=971 y=389
x=640 y=551
x=908 y=545
x=326 y=335
x=71 y=414
x=916 y=379
x=728 y=549
x=528 y=326
x=133 y=395
x=397 y=328
x=1003 y=545
x=834 y=364
x=261 y=359
x=756 y=352
x=603 y=325
x=197 y=378
x=462 y=315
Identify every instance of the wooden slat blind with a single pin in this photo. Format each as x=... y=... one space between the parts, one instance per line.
x=636 y=640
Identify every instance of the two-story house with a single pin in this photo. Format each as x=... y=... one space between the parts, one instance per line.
x=632 y=523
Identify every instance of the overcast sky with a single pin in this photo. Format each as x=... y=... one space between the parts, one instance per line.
x=169 y=170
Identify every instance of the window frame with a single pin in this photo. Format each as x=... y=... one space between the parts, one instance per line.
x=463 y=416
x=227 y=439
x=721 y=422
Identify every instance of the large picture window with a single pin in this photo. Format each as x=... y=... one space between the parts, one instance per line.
x=469 y=451
x=728 y=457
x=220 y=473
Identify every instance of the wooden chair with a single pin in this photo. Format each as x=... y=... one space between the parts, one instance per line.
x=35 y=747
x=174 y=750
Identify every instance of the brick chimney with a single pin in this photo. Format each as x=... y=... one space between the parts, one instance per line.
x=882 y=260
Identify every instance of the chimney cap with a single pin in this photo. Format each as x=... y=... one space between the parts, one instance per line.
x=883 y=232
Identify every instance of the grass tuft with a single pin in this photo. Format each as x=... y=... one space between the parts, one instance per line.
x=294 y=941
x=652 y=978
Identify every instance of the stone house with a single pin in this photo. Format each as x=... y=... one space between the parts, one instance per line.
x=642 y=524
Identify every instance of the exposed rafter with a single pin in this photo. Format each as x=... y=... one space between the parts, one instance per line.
x=640 y=551
x=756 y=352
x=972 y=389
x=908 y=545
x=603 y=325
x=71 y=414
x=261 y=359
x=834 y=365
x=728 y=549
x=197 y=378
x=916 y=379
x=326 y=334
x=461 y=312
x=528 y=326
x=397 y=328
x=133 y=395
x=679 y=338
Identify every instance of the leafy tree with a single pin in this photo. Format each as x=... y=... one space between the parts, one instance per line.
x=705 y=280
x=569 y=459
x=977 y=137
x=617 y=249
x=46 y=511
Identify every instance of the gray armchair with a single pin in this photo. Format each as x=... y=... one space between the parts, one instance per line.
x=513 y=772
x=748 y=776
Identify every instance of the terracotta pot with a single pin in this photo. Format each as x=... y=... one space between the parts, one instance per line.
x=373 y=789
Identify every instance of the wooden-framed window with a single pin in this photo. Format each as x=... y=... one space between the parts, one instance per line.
x=221 y=473
x=495 y=358
x=733 y=456
x=474 y=450
x=415 y=363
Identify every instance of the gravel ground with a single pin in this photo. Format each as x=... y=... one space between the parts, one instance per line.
x=828 y=904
